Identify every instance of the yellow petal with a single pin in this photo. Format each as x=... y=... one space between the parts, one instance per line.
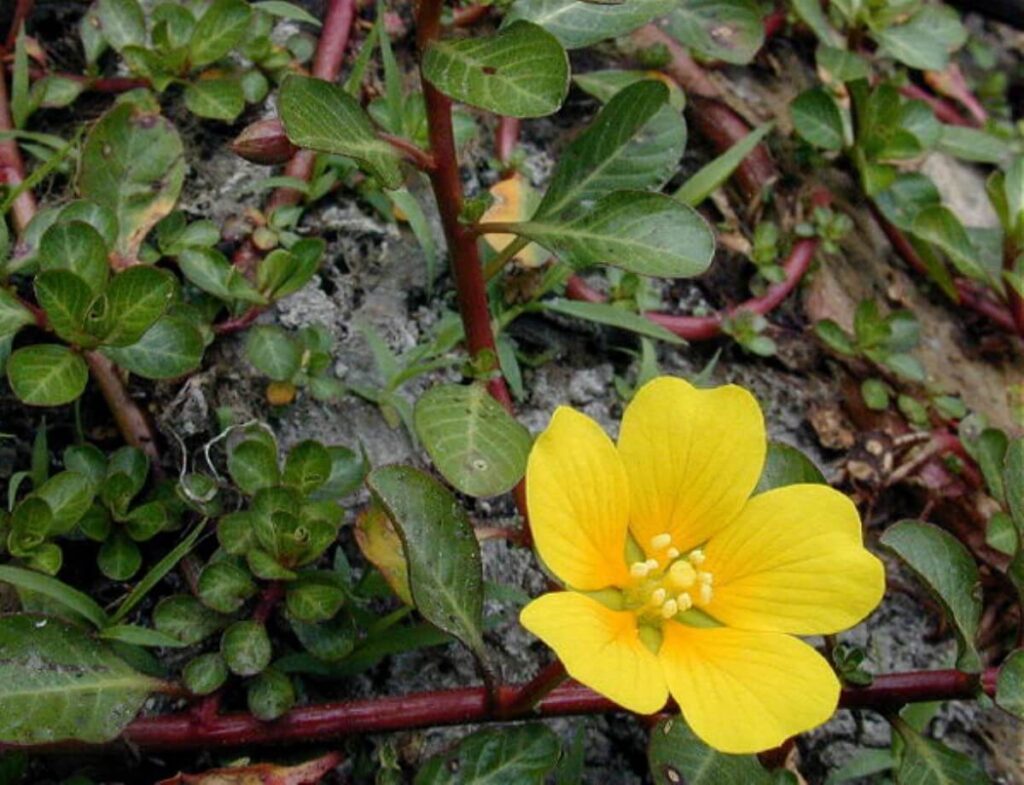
x=600 y=648
x=578 y=500
x=692 y=457
x=744 y=692
x=514 y=200
x=793 y=562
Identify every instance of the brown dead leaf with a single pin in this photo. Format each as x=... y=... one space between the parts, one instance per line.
x=308 y=773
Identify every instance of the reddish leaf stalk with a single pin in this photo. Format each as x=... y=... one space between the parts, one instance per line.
x=98 y=84
x=470 y=705
x=1013 y=298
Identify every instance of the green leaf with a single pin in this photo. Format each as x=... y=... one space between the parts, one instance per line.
x=81 y=605
x=322 y=116
x=445 y=571
x=312 y=599
x=925 y=40
x=57 y=683
x=273 y=352
x=286 y=11
x=69 y=496
x=139 y=636
x=644 y=233
x=864 y=763
x=519 y=71
x=972 y=144
x=253 y=465
x=132 y=163
x=135 y=299
x=1010 y=684
x=786 y=465
x=307 y=466
x=517 y=755
x=46 y=374
x=211 y=271
x=121 y=22
x=927 y=762
x=65 y=298
x=613 y=316
x=218 y=31
x=477 y=445
x=215 y=99
x=183 y=617
x=939 y=225
x=205 y=674
x=617 y=150
x=224 y=586
x=577 y=23
x=119 y=557
x=170 y=348
x=817 y=119
x=270 y=695
x=78 y=247
x=947 y=569
x=729 y=30
x=13 y=315
x=842 y=64
x=712 y=175
x=246 y=648
x=675 y=755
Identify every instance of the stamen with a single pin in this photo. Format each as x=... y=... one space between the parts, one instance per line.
x=706 y=577
x=658 y=597
x=705 y=593
x=661 y=541
x=639 y=569
x=669 y=609
x=696 y=557
x=684 y=601
x=672 y=553
x=652 y=564
x=682 y=575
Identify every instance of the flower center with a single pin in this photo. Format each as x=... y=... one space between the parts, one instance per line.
x=669 y=582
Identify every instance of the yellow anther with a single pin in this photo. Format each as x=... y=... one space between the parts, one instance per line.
x=705 y=593
x=682 y=575
x=639 y=569
x=684 y=601
x=652 y=564
x=661 y=541
x=705 y=577
x=669 y=609
x=672 y=553
x=696 y=557
x=658 y=597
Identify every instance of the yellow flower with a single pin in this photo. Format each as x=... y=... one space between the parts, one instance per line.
x=679 y=581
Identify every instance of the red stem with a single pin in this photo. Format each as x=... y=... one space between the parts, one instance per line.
x=704 y=328
x=506 y=138
x=968 y=293
x=1014 y=301
x=470 y=288
x=21 y=12
x=12 y=168
x=470 y=705
x=944 y=110
x=330 y=52
x=101 y=84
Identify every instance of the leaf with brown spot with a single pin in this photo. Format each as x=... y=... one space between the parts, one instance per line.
x=132 y=163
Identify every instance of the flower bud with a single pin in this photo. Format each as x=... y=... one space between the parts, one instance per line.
x=264 y=142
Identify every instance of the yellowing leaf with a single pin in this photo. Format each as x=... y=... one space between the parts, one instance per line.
x=514 y=200
x=380 y=544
